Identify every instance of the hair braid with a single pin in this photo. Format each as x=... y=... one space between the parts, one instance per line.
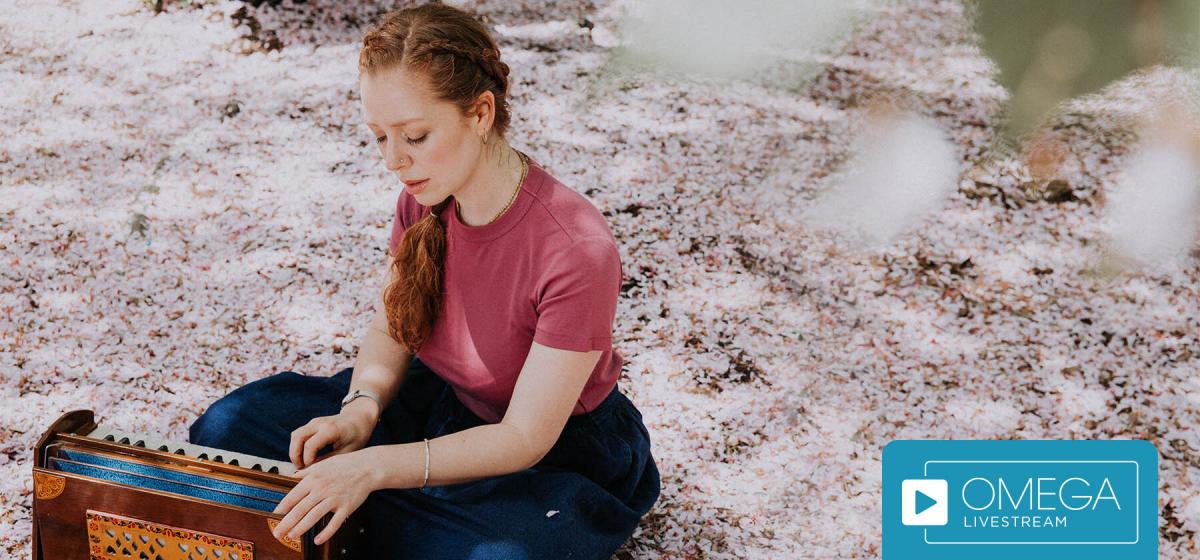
x=488 y=59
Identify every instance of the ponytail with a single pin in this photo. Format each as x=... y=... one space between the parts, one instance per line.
x=414 y=297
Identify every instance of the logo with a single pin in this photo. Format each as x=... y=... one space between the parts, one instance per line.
x=1032 y=499
x=924 y=502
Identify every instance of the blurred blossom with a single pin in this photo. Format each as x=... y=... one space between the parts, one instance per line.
x=1154 y=206
x=1051 y=51
x=734 y=40
x=902 y=168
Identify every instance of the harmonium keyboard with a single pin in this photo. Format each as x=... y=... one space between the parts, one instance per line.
x=103 y=493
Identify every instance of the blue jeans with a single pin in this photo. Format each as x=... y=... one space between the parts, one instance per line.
x=600 y=476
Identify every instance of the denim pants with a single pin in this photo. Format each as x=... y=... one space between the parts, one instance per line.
x=600 y=477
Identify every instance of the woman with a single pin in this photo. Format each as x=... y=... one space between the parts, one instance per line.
x=481 y=418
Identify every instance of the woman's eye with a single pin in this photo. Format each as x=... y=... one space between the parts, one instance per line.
x=383 y=139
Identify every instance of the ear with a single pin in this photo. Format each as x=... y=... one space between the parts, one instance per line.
x=484 y=112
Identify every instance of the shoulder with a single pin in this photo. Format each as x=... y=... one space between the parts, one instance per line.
x=572 y=213
x=581 y=243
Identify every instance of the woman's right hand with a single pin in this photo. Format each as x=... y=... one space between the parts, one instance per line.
x=347 y=431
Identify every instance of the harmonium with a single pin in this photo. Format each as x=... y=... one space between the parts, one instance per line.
x=103 y=493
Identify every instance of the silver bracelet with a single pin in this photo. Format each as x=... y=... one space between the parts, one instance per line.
x=360 y=393
x=426 y=481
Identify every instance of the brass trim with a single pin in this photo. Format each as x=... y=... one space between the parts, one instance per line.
x=293 y=544
x=48 y=486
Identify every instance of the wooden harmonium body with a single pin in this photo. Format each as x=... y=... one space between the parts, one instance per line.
x=102 y=493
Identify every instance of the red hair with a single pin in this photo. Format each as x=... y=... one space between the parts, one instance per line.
x=458 y=56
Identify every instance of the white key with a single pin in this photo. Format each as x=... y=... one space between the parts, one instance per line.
x=107 y=433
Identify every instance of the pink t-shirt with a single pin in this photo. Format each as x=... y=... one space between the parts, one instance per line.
x=547 y=270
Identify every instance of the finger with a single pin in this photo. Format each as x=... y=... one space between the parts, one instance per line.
x=315 y=443
x=297 y=493
x=288 y=524
x=299 y=436
x=311 y=518
x=334 y=523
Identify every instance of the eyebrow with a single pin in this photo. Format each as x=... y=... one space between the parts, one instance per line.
x=403 y=122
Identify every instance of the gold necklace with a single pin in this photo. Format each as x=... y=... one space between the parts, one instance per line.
x=524 y=171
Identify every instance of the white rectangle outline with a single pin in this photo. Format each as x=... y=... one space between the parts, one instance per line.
x=1137 y=535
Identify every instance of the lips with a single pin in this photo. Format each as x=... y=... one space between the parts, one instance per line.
x=415 y=187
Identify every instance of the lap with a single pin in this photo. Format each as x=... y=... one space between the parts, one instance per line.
x=582 y=500
x=584 y=497
x=529 y=514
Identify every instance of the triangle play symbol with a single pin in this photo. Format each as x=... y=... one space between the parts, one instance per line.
x=924 y=502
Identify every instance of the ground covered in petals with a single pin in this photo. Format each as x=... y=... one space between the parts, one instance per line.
x=189 y=201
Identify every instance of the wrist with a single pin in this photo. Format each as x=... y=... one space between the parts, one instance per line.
x=363 y=409
x=397 y=465
x=376 y=477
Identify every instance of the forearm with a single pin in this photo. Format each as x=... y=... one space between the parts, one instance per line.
x=471 y=454
x=380 y=367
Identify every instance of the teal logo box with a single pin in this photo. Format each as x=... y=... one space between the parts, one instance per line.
x=985 y=499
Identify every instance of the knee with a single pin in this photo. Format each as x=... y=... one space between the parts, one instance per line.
x=217 y=423
x=220 y=422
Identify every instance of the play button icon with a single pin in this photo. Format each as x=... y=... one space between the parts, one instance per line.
x=923 y=502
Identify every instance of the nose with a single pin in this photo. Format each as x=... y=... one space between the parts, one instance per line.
x=395 y=158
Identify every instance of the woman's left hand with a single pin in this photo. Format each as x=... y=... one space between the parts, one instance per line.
x=337 y=483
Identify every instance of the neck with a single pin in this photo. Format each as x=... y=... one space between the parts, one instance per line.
x=491 y=186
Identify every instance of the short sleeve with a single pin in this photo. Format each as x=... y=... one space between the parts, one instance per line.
x=578 y=299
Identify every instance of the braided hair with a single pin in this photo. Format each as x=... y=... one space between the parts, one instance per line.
x=458 y=56
x=487 y=59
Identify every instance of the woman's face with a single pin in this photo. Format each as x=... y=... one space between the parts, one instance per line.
x=419 y=136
